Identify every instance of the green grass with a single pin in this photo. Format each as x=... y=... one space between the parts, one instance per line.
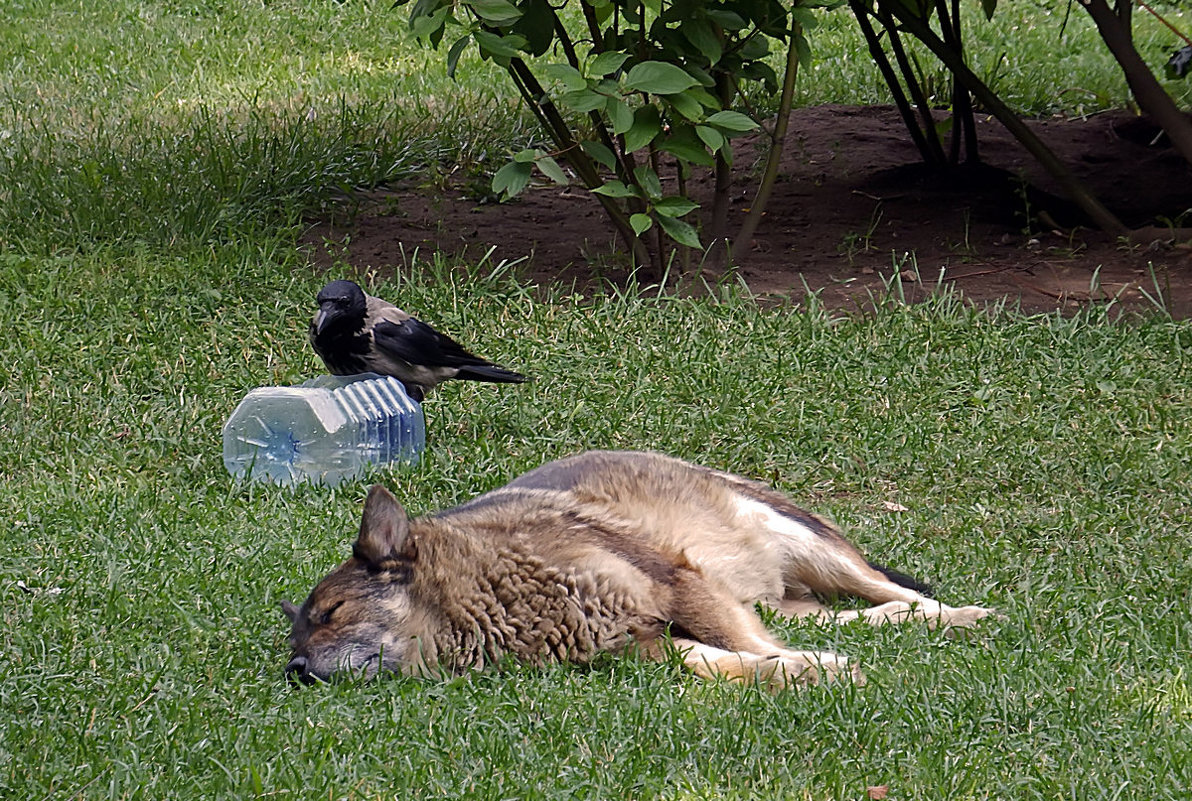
x=1043 y=462
x=155 y=161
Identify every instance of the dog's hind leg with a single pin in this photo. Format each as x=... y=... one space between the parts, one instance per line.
x=894 y=602
x=807 y=606
x=817 y=561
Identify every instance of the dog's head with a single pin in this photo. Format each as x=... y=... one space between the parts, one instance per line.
x=359 y=619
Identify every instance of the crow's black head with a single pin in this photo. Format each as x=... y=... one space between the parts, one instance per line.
x=341 y=303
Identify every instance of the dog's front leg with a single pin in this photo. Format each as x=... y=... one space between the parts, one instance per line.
x=775 y=671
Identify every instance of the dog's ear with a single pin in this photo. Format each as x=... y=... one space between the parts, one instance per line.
x=384 y=530
x=289 y=610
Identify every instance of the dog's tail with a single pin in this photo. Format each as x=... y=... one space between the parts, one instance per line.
x=903 y=580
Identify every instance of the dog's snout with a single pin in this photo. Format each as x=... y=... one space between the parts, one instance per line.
x=297 y=670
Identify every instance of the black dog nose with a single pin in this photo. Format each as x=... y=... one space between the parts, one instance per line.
x=297 y=671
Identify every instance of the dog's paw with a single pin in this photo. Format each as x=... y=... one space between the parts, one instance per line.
x=966 y=616
x=959 y=623
x=784 y=671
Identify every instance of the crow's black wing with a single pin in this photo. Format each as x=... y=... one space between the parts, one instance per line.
x=415 y=342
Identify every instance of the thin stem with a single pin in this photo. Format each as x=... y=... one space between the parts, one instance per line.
x=681 y=183
x=749 y=109
x=598 y=125
x=1157 y=16
x=593 y=27
x=935 y=148
x=963 y=125
x=777 y=141
x=724 y=178
x=557 y=128
x=1148 y=92
x=887 y=70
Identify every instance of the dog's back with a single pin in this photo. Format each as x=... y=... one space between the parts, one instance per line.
x=739 y=533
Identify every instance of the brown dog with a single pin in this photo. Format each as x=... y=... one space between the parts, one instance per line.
x=594 y=553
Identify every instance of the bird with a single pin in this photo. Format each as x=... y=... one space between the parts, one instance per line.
x=354 y=332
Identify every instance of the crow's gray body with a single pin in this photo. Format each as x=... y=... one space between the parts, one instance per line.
x=354 y=332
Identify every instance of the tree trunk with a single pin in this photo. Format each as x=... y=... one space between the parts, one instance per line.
x=1147 y=90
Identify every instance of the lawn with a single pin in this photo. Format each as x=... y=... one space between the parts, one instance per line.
x=148 y=279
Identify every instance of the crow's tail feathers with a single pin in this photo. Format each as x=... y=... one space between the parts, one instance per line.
x=903 y=580
x=490 y=372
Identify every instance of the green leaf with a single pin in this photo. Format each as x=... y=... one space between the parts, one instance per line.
x=760 y=71
x=754 y=49
x=700 y=74
x=616 y=189
x=527 y=156
x=551 y=169
x=728 y=20
x=604 y=11
x=567 y=75
x=584 y=101
x=647 y=124
x=429 y=25
x=803 y=49
x=701 y=35
x=681 y=232
x=607 y=62
x=620 y=115
x=455 y=52
x=500 y=46
x=732 y=121
x=688 y=148
x=640 y=223
x=659 y=78
x=600 y=153
x=710 y=137
x=426 y=8
x=511 y=179
x=703 y=97
x=687 y=106
x=498 y=12
x=647 y=179
x=675 y=206
x=537 y=25
x=805 y=16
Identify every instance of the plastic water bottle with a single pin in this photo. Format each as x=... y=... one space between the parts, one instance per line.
x=324 y=430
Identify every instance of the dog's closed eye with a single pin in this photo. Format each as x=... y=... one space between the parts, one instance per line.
x=325 y=618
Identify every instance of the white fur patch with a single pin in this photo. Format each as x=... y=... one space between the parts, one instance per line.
x=796 y=538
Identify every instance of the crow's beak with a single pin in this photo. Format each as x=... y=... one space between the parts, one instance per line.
x=320 y=321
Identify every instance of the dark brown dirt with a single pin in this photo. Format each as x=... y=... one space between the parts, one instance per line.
x=853 y=211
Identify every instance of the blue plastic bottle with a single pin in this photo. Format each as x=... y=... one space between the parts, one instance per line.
x=324 y=431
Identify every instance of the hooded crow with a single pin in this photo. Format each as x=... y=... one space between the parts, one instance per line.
x=353 y=332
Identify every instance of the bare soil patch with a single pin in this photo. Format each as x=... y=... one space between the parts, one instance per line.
x=853 y=211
